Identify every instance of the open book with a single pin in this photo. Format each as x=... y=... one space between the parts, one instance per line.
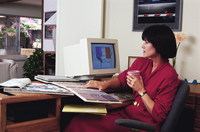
x=16 y=83
x=122 y=96
x=94 y=96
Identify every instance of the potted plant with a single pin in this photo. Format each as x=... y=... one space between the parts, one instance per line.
x=34 y=64
x=11 y=31
x=37 y=43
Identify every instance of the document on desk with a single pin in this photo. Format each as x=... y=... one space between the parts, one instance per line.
x=40 y=88
x=51 y=78
x=94 y=96
x=16 y=82
x=85 y=108
x=70 y=84
x=122 y=96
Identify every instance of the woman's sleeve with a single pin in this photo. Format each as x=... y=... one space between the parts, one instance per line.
x=164 y=99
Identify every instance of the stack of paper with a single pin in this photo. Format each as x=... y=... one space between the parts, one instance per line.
x=51 y=78
x=85 y=108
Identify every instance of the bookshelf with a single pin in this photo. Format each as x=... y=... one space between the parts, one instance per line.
x=49 y=59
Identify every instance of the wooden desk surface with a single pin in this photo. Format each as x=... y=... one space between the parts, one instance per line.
x=194 y=88
x=25 y=97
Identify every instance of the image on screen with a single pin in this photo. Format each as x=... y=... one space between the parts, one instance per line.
x=103 y=56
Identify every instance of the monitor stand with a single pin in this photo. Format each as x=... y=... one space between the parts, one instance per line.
x=91 y=77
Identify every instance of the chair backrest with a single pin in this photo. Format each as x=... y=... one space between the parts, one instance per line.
x=177 y=106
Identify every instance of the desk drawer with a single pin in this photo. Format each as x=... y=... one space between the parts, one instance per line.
x=198 y=99
x=42 y=125
x=197 y=113
x=191 y=99
x=197 y=123
x=196 y=129
x=189 y=106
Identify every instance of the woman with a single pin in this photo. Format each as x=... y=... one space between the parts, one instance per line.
x=153 y=92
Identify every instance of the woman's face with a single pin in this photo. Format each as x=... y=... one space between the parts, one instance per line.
x=148 y=50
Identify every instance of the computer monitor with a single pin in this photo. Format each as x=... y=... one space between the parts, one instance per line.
x=92 y=58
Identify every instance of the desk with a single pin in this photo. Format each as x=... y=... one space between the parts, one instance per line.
x=193 y=102
x=51 y=123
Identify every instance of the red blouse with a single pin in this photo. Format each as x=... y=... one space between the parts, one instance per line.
x=161 y=85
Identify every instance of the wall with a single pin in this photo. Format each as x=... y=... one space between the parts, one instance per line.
x=49 y=6
x=76 y=19
x=119 y=25
x=20 y=10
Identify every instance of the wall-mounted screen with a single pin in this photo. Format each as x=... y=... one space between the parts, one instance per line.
x=151 y=12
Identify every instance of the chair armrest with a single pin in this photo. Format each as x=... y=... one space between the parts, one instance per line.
x=135 y=124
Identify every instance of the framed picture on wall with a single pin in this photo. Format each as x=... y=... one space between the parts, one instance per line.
x=131 y=59
x=48 y=29
x=152 y=12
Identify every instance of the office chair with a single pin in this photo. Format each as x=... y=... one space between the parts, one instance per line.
x=172 y=118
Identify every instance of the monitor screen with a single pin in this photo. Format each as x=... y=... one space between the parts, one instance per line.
x=103 y=56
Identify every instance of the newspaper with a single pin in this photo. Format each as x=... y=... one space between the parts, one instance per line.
x=16 y=83
x=40 y=88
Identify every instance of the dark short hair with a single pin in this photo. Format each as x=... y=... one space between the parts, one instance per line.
x=163 y=40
